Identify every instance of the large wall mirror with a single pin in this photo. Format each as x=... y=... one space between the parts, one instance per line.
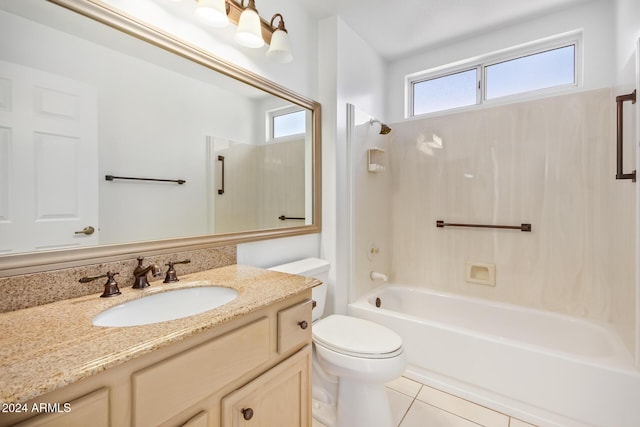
x=116 y=139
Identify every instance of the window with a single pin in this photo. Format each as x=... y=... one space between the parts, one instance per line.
x=286 y=122
x=541 y=70
x=445 y=92
x=540 y=66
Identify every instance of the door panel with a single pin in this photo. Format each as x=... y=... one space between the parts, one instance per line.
x=48 y=160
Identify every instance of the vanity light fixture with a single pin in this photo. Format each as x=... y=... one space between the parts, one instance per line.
x=249 y=32
x=280 y=48
x=214 y=12
x=253 y=31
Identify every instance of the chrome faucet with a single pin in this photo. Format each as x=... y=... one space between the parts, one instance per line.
x=140 y=274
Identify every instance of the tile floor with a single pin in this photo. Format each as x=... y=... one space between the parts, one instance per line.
x=417 y=405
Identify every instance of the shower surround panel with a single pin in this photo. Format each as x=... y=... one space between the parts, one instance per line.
x=549 y=162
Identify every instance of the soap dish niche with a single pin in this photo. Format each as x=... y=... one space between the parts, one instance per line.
x=375 y=159
x=480 y=273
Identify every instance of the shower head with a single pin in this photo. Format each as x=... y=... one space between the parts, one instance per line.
x=384 y=129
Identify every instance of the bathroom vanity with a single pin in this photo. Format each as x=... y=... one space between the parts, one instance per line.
x=249 y=359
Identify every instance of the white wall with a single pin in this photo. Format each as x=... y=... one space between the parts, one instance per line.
x=178 y=19
x=351 y=72
x=595 y=18
x=627 y=27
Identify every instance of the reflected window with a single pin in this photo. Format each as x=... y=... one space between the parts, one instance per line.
x=286 y=122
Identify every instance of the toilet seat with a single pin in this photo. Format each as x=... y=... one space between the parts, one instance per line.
x=356 y=337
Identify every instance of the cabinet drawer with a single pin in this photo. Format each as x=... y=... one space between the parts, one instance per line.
x=294 y=326
x=89 y=410
x=168 y=387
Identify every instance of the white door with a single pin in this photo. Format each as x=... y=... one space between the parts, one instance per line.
x=48 y=160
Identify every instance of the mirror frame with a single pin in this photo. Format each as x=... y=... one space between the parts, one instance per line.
x=25 y=263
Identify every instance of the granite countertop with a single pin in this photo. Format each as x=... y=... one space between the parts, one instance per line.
x=47 y=347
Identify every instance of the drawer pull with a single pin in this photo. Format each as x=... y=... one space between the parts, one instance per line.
x=303 y=324
x=247 y=413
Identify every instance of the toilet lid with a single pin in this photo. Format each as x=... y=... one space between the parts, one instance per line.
x=356 y=337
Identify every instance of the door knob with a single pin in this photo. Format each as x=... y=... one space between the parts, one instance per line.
x=89 y=230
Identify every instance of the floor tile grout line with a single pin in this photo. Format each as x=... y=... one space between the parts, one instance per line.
x=410 y=405
x=448 y=411
x=509 y=417
x=406 y=412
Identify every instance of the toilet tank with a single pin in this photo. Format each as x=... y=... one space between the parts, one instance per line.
x=310 y=267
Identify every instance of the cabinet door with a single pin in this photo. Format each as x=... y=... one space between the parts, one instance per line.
x=89 y=410
x=281 y=397
x=200 y=420
x=169 y=387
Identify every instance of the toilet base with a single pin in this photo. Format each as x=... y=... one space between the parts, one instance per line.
x=362 y=404
x=324 y=412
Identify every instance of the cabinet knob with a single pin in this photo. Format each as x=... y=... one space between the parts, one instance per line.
x=303 y=324
x=247 y=413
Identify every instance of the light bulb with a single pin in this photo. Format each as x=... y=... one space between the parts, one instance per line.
x=213 y=12
x=249 y=31
x=280 y=48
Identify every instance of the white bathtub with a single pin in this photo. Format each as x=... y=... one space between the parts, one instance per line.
x=542 y=367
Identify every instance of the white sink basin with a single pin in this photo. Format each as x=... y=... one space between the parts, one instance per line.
x=165 y=306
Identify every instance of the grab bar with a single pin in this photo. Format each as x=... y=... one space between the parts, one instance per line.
x=112 y=177
x=283 y=217
x=521 y=227
x=221 y=159
x=619 y=157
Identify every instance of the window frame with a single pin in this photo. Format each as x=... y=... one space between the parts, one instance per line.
x=482 y=62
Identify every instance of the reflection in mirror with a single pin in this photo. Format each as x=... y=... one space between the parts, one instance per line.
x=93 y=103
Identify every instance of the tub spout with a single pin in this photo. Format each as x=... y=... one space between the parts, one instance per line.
x=378 y=276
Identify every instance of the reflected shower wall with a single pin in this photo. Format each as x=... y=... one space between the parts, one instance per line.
x=262 y=184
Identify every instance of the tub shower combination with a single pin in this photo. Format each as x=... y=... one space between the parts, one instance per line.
x=546 y=368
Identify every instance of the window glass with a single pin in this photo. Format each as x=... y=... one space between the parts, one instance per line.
x=289 y=124
x=542 y=70
x=445 y=92
x=547 y=64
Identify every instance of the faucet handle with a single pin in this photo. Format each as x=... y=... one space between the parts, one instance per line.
x=171 y=275
x=110 y=287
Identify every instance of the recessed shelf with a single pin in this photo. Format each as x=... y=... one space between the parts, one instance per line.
x=375 y=159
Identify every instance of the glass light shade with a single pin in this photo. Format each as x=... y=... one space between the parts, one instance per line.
x=280 y=48
x=249 y=31
x=213 y=12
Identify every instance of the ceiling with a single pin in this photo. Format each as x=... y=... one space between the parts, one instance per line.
x=399 y=27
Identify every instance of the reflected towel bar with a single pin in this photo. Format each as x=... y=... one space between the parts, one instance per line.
x=620 y=104
x=282 y=218
x=521 y=227
x=112 y=177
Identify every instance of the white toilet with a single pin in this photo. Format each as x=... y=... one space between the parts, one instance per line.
x=352 y=359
